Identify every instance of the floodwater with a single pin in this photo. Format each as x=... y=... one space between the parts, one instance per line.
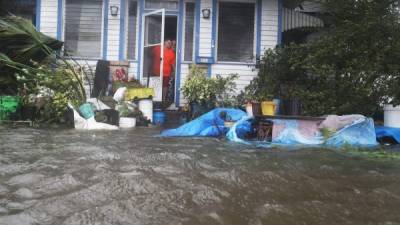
x=132 y=177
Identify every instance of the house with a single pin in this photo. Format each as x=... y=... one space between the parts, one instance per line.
x=224 y=36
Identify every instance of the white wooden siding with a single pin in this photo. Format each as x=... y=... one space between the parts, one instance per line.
x=269 y=24
x=132 y=72
x=246 y=73
x=48 y=17
x=113 y=32
x=205 y=30
x=184 y=75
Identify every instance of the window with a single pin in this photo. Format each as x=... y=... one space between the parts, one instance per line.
x=189 y=31
x=83 y=27
x=131 y=29
x=23 y=8
x=162 y=4
x=236 y=32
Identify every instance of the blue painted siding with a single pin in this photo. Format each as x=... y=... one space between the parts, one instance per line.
x=214 y=29
x=280 y=11
x=197 y=30
x=122 y=32
x=60 y=7
x=214 y=10
x=38 y=12
x=258 y=28
x=179 y=53
x=105 y=29
x=141 y=10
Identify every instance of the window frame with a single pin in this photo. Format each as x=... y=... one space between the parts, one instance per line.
x=64 y=2
x=126 y=38
x=184 y=33
x=153 y=9
x=253 y=61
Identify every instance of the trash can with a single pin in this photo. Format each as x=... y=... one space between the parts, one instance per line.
x=159 y=118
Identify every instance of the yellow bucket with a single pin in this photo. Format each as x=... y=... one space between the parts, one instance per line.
x=268 y=108
x=138 y=93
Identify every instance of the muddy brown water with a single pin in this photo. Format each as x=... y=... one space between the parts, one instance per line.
x=132 y=177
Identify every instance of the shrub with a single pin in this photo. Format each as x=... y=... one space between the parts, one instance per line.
x=353 y=68
x=216 y=91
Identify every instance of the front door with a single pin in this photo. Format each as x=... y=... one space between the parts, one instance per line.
x=152 y=51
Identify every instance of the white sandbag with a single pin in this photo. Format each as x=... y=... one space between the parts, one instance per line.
x=90 y=124
x=119 y=95
x=98 y=105
x=335 y=123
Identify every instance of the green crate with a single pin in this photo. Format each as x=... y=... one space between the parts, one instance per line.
x=9 y=106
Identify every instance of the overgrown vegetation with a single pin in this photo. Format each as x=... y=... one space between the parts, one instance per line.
x=352 y=68
x=32 y=68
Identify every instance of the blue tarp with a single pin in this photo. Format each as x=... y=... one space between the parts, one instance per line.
x=207 y=125
x=391 y=132
x=360 y=133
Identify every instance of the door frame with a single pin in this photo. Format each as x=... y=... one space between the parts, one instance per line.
x=142 y=44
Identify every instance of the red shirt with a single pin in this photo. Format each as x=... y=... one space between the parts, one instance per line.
x=169 y=61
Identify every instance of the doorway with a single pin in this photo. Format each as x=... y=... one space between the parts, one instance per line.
x=159 y=55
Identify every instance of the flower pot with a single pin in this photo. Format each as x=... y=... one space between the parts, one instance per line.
x=291 y=107
x=127 y=122
x=249 y=109
x=268 y=108
x=256 y=108
x=278 y=106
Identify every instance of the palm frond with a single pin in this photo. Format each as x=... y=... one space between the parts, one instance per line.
x=22 y=43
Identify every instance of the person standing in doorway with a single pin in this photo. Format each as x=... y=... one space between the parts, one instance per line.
x=168 y=67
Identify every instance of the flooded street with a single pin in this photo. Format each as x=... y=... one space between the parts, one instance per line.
x=132 y=177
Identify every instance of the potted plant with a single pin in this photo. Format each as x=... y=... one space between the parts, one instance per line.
x=127 y=115
x=290 y=103
x=204 y=93
x=252 y=97
x=199 y=91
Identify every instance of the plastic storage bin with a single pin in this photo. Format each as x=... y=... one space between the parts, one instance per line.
x=9 y=105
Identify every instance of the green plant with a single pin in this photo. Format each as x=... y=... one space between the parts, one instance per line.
x=216 y=91
x=352 y=68
x=21 y=43
x=198 y=88
x=51 y=88
x=128 y=110
x=225 y=88
x=31 y=64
